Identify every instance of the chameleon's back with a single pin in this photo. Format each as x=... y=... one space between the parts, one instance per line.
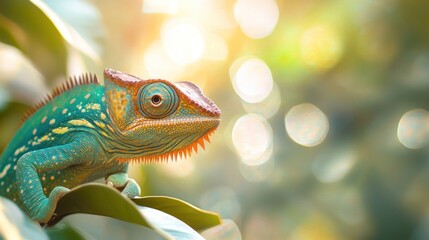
x=72 y=111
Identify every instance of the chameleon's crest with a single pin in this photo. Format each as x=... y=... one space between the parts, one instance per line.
x=65 y=86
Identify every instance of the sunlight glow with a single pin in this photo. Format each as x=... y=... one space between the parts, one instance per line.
x=181 y=168
x=160 y=6
x=252 y=137
x=159 y=65
x=321 y=48
x=183 y=41
x=306 y=124
x=413 y=128
x=268 y=107
x=252 y=80
x=257 y=19
x=216 y=48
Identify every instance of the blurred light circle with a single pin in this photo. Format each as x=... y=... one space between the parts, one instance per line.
x=413 y=128
x=183 y=41
x=216 y=48
x=321 y=48
x=268 y=107
x=306 y=124
x=334 y=165
x=252 y=80
x=257 y=19
x=252 y=138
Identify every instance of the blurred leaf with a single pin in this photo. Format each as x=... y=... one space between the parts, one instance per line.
x=196 y=218
x=78 y=21
x=64 y=232
x=26 y=27
x=16 y=225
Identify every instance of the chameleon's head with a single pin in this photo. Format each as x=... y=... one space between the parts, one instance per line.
x=158 y=119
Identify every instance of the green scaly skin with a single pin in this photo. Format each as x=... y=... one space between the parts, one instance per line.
x=92 y=131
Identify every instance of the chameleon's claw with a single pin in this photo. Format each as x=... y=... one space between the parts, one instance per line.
x=117 y=180
x=121 y=180
x=132 y=189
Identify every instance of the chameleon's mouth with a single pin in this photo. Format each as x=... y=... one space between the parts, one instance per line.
x=165 y=122
x=173 y=155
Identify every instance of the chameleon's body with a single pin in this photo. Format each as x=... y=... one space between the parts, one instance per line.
x=88 y=131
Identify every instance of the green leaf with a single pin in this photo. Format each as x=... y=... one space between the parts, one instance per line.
x=99 y=199
x=79 y=22
x=196 y=218
x=64 y=232
x=16 y=225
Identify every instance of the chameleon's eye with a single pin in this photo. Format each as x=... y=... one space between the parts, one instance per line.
x=158 y=100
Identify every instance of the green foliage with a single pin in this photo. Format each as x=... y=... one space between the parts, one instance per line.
x=169 y=218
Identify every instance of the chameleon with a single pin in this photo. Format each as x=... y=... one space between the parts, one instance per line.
x=86 y=130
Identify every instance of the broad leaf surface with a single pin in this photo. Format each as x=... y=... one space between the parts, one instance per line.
x=171 y=218
x=101 y=200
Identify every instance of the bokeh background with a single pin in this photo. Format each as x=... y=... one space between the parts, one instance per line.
x=325 y=122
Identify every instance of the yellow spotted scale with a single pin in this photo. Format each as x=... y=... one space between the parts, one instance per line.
x=86 y=130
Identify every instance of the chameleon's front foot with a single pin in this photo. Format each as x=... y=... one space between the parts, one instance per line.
x=121 y=180
x=44 y=210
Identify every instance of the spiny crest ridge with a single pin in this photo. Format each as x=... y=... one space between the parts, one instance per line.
x=82 y=79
